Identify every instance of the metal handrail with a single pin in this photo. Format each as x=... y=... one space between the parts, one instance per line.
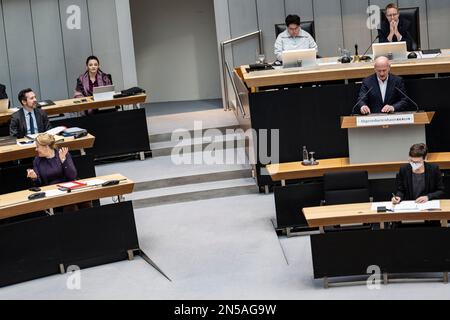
x=238 y=96
x=224 y=63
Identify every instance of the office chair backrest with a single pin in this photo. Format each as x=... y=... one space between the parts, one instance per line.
x=346 y=187
x=308 y=26
x=413 y=16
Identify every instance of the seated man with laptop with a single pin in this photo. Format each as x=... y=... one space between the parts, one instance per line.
x=382 y=92
x=293 y=38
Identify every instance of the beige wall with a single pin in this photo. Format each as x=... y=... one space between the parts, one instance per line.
x=176 y=49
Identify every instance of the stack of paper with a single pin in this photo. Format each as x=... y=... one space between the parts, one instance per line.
x=408 y=206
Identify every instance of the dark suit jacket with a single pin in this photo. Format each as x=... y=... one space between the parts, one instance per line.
x=18 y=126
x=434 y=186
x=403 y=27
x=3 y=94
x=374 y=99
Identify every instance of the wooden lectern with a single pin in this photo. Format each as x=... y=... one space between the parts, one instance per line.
x=385 y=137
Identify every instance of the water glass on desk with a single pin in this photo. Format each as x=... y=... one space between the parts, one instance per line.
x=260 y=58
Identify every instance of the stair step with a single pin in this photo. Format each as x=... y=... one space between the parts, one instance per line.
x=162 y=137
x=189 y=145
x=191 y=192
x=201 y=178
x=161 y=168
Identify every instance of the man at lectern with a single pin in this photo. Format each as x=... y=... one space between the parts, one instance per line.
x=382 y=92
x=419 y=181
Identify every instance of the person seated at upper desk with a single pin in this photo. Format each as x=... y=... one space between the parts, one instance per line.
x=394 y=28
x=53 y=166
x=29 y=119
x=419 y=180
x=293 y=38
x=380 y=92
x=92 y=78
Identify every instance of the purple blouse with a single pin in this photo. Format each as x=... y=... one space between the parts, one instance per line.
x=52 y=171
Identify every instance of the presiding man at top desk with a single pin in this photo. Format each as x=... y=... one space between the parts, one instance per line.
x=382 y=91
x=394 y=28
x=293 y=38
x=29 y=119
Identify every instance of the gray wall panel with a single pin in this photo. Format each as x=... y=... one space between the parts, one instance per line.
x=105 y=38
x=328 y=21
x=244 y=19
x=77 y=43
x=20 y=45
x=439 y=23
x=270 y=12
x=354 y=20
x=4 y=66
x=303 y=8
x=49 y=49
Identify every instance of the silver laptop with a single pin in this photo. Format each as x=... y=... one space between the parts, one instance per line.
x=391 y=50
x=104 y=93
x=4 y=104
x=299 y=58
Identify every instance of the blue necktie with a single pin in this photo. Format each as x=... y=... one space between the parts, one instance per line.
x=31 y=123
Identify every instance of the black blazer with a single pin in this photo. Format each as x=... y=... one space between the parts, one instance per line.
x=374 y=99
x=434 y=186
x=403 y=28
x=18 y=126
x=3 y=94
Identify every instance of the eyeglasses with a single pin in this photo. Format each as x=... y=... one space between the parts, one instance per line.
x=392 y=15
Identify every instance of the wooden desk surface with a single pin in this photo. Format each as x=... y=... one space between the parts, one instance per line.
x=16 y=152
x=15 y=204
x=295 y=170
x=70 y=105
x=360 y=213
x=341 y=71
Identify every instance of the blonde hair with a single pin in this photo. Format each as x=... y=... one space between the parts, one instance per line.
x=46 y=139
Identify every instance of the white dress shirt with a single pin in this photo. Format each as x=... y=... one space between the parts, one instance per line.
x=287 y=43
x=383 y=87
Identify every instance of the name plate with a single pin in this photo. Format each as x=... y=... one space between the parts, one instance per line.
x=385 y=120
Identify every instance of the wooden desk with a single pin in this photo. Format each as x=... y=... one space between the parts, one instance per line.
x=16 y=204
x=319 y=217
x=340 y=71
x=75 y=105
x=295 y=170
x=16 y=152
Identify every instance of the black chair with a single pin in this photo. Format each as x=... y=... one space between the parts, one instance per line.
x=412 y=15
x=346 y=187
x=308 y=26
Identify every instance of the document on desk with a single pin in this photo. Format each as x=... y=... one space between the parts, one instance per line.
x=54 y=193
x=408 y=206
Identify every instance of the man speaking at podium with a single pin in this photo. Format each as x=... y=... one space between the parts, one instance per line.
x=382 y=92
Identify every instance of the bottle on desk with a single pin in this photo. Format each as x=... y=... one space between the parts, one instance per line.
x=306 y=161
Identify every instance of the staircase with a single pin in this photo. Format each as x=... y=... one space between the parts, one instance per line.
x=206 y=164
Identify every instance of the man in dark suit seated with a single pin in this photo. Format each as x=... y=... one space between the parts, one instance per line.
x=29 y=119
x=381 y=92
x=3 y=94
x=394 y=28
x=419 y=181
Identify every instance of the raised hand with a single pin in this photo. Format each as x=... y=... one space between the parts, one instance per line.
x=63 y=153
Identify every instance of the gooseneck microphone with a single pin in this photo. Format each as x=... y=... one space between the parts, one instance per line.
x=359 y=101
x=364 y=54
x=409 y=99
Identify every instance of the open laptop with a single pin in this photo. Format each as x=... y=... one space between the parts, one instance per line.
x=4 y=104
x=299 y=58
x=104 y=93
x=397 y=50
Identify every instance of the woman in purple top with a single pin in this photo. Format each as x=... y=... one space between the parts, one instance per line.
x=92 y=78
x=51 y=166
